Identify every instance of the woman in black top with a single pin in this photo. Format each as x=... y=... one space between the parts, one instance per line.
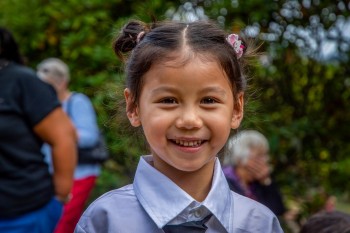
x=30 y=114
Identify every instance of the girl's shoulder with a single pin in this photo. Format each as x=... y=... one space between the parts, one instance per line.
x=112 y=210
x=252 y=215
x=114 y=199
x=249 y=205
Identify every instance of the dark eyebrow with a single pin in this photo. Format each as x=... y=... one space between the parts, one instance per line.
x=215 y=89
x=164 y=88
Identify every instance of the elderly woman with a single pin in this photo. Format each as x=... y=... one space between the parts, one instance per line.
x=246 y=167
x=81 y=111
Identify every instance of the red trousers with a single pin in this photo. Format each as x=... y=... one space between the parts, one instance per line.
x=75 y=207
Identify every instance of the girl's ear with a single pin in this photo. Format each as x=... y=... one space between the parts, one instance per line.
x=237 y=115
x=132 y=111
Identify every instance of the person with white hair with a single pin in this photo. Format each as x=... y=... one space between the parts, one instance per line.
x=80 y=109
x=247 y=170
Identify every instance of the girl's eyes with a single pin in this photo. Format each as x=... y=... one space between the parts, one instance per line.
x=168 y=101
x=208 y=100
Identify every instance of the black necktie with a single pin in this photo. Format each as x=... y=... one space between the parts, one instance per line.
x=188 y=227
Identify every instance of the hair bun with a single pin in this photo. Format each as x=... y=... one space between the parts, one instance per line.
x=129 y=37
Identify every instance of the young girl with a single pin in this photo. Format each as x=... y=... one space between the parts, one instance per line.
x=185 y=89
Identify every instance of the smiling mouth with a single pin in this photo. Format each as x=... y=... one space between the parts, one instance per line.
x=194 y=143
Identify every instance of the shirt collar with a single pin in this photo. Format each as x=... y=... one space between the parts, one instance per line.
x=163 y=200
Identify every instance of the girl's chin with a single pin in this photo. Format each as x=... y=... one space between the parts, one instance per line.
x=190 y=166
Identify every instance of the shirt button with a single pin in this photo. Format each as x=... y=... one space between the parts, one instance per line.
x=198 y=213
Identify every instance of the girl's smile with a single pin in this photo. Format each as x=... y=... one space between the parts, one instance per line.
x=187 y=112
x=188 y=145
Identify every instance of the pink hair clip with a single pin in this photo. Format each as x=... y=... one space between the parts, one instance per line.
x=140 y=36
x=236 y=43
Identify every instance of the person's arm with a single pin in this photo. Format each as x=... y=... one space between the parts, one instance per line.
x=84 y=119
x=57 y=130
x=260 y=170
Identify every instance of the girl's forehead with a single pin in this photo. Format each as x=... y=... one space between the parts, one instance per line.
x=194 y=76
x=196 y=66
x=184 y=56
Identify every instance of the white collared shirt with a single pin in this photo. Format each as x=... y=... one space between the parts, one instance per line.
x=153 y=201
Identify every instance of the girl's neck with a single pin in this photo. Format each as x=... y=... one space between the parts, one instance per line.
x=197 y=184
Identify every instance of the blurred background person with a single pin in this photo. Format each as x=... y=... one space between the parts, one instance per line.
x=30 y=114
x=80 y=109
x=327 y=222
x=246 y=167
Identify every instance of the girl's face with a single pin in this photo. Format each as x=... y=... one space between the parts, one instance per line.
x=186 y=113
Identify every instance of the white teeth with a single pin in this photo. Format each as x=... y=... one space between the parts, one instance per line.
x=188 y=143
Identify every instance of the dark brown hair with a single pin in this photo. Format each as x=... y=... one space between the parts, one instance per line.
x=149 y=44
x=327 y=222
x=8 y=47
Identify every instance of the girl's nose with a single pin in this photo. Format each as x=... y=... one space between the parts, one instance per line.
x=189 y=118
